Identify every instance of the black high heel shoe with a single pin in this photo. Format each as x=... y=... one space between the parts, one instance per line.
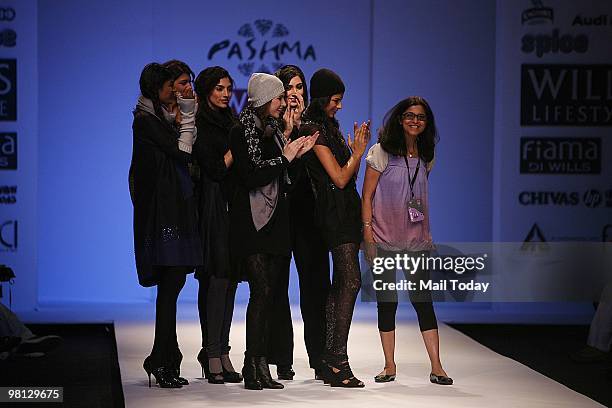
x=285 y=372
x=231 y=376
x=263 y=374
x=203 y=360
x=164 y=377
x=249 y=372
x=345 y=373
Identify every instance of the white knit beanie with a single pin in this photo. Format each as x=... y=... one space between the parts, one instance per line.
x=262 y=88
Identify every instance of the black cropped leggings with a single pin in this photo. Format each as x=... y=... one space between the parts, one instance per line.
x=421 y=299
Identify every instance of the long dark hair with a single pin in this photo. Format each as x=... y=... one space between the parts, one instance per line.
x=330 y=127
x=391 y=135
x=205 y=83
x=178 y=68
x=152 y=79
x=287 y=72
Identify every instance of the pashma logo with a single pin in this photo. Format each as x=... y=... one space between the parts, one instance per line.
x=262 y=46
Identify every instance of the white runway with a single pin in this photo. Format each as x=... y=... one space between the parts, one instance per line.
x=482 y=377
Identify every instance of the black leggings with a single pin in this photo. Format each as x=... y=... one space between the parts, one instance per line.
x=420 y=299
x=216 y=308
x=346 y=282
x=262 y=272
x=166 y=351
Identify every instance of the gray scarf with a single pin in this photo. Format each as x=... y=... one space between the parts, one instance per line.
x=263 y=200
x=145 y=104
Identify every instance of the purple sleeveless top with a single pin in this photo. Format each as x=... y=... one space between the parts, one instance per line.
x=391 y=223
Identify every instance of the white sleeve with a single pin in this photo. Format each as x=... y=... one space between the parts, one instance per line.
x=377 y=158
x=188 y=108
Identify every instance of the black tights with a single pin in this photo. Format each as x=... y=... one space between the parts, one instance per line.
x=421 y=299
x=216 y=307
x=166 y=351
x=340 y=304
x=262 y=272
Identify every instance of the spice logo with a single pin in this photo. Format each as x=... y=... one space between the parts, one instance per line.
x=538 y=14
x=261 y=46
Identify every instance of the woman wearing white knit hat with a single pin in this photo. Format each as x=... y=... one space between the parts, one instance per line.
x=259 y=216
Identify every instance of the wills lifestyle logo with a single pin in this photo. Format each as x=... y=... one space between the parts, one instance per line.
x=560 y=155
x=566 y=95
x=538 y=14
x=261 y=46
x=8 y=195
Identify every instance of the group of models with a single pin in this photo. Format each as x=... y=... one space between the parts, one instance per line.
x=234 y=197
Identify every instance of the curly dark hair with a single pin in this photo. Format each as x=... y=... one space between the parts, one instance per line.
x=287 y=72
x=152 y=79
x=391 y=135
x=178 y=68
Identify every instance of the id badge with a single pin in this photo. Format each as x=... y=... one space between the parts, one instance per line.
x=415 y=210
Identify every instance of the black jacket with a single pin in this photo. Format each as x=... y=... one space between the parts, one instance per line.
x=165 y=231
x=214 y=189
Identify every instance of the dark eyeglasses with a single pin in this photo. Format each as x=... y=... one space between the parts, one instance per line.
x=411 y=116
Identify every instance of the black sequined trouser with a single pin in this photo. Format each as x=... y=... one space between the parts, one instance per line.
x=262 y=272
x=346 y=282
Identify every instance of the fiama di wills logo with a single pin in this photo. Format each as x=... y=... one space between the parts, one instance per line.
x=261 y=46
x=538 y=14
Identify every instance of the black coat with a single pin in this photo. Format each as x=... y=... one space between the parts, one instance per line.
x=214 y=188
x=165 y=232
x=274 y=238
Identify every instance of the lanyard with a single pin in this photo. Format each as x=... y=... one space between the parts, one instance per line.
x=412 y=180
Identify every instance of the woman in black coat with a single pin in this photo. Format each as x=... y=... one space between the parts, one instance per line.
x=216 y=290
x=166 y=242
x=259 y=212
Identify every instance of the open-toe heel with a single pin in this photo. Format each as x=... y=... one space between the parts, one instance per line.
x=345 y=377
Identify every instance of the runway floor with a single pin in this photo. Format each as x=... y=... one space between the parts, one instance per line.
x=482 y=377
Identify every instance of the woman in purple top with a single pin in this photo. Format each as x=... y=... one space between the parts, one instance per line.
x=395 y=215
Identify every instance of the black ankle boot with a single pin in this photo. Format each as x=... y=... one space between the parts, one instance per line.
x=264 y=376
x=249 y=373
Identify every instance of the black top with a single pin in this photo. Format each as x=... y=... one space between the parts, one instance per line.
x=274 y=237
x=337 y=210
x=165 y=231
x=213 y=190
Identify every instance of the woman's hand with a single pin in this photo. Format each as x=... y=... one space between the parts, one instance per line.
x=308 y=144
x=370 y=251
x=362 y=138
x=292 y=148
x=288 y=121
x=297 y=110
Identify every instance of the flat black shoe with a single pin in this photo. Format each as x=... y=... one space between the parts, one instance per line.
x=383 y=378
x=285 y=372
x=440 y=379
